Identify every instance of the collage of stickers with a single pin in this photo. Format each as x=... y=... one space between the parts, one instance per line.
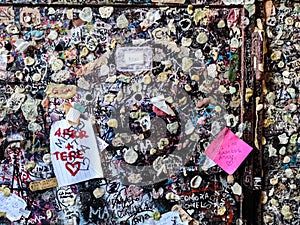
x=149 y=112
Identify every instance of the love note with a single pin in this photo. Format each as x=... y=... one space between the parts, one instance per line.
x=74 y=152
x=228 y=151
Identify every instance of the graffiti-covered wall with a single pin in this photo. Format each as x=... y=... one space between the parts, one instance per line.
x=281 y=149
x=148 y=112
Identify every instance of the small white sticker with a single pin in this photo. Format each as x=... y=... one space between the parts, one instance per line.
x=73 y=115
x=13 y=206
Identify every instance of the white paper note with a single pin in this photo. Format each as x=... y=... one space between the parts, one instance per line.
x=14 y=206
x=101 y=144
x=160 y=103
x=74 y=152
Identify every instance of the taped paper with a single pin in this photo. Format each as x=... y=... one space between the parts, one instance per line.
x=74 y=152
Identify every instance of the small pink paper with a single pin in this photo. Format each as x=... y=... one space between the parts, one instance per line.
x=228 y=151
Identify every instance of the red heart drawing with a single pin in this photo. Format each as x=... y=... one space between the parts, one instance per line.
x=73 y=168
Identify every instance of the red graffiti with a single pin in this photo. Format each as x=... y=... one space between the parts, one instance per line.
x=67 y=133
x=70 y=156
x=62 y=91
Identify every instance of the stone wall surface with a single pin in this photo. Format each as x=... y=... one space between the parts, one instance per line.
x=149 y=112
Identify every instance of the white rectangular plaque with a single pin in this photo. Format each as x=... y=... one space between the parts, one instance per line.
x=134 y=59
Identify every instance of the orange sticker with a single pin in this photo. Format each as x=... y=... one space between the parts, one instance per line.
x=43 y=184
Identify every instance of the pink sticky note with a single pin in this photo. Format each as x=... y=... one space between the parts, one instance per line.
x=228 y=151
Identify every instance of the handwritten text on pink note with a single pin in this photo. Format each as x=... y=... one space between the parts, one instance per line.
x=228 y=151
